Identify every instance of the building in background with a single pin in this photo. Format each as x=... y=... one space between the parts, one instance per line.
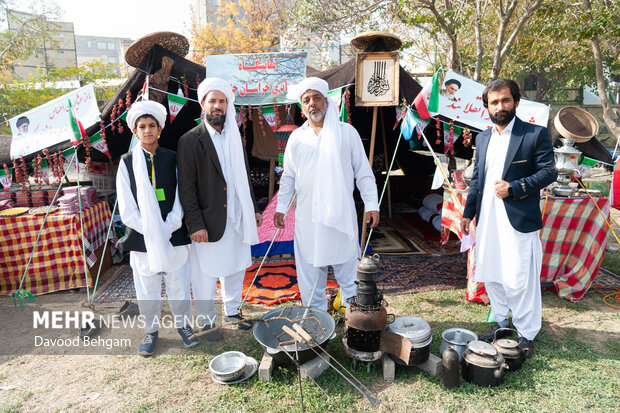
x=59 y=52
x=109 y=49
x=203 y=11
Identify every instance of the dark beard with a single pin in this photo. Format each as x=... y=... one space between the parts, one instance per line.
x=504 y=118
x=216 y=120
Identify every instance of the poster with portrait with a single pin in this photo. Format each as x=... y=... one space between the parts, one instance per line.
x=49 y=124
x=376 y=79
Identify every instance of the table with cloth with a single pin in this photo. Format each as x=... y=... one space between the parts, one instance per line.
x=573 y=237
x=58 y=263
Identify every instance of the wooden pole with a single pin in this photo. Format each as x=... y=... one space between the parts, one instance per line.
x=371 y=153
x=387 y=168
x=272 y=177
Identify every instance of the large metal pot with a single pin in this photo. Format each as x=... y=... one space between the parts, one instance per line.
x=318 y=323
x=483 y=365
x=418 y=332
x=510 y=349
x=458 y=339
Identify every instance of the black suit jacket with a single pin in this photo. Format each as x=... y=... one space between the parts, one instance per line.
x=202 y=186
x=529 y=167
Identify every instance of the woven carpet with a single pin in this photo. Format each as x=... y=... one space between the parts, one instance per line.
x=387 y=240
x=428 y=242
x=606 y=278
x=276 y=283
x=418 y=273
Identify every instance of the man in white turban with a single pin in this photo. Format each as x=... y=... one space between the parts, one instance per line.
x=322 y=161
x=148 y=201
x=220 y=211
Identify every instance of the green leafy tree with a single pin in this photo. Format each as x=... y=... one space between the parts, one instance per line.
x=23 y=32
x=20 y=95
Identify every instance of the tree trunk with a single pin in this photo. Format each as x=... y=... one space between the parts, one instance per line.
x=608 y=115
x=478 y=34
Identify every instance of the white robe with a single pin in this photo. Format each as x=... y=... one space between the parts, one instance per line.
x=320 y=245
x=508 y=262
x=146 y=282
x=503 y=253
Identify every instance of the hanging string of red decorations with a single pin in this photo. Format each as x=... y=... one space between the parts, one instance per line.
x=467 y=137
x=277 y=116
x=438 y=127
x=347 y=103
x=450 y=138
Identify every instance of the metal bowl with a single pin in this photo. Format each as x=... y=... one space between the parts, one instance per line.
x=559 y=191
x=228 y=366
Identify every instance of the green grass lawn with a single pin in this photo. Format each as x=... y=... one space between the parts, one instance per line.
x=574 y=368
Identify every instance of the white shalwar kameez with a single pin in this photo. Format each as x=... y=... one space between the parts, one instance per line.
x=148 y=283
x=317 y=246
x=226 y=259
x=508 y=262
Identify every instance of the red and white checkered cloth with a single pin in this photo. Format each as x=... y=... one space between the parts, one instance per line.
x=574 y=237
x=57 y=263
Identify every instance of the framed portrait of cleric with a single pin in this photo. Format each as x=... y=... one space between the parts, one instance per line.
x=376 y=79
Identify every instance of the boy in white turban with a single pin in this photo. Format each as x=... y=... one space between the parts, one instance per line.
x=322 y=161
x=146 y=185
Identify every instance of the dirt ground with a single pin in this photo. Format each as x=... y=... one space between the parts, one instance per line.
x=176 y=377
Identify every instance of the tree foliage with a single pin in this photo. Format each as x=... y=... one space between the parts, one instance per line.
x=30 y=27
x=20 y=95
x=239 y=25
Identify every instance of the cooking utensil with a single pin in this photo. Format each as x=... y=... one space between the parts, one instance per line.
x=269 y=333
x=458 y=339
x=250 y=368
x=375 y=402
x=418 y=332
x=450 y=363
x=298 y=364
x=510 y=349
x=228 y=366
x=483 y=365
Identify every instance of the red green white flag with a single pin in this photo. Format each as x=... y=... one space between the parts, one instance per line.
x=5 y=180
x=99 y=143
x=78 y=130
x=427 y=101
x=176 y=103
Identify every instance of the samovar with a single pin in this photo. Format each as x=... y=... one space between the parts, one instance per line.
x=566 y=161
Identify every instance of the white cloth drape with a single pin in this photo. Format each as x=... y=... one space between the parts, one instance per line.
x=159 y=250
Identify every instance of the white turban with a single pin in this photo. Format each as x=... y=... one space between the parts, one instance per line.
x=237 y=175
x=309 y=83
x=215 y=83
x=146 y=107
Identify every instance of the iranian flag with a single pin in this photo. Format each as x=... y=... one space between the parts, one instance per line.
x=585 y=165
x=5 y=179
x=427 y=101
x=99 y=143
x=76 y=125
x=176 y=103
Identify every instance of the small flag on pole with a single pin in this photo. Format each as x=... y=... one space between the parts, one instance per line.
x=427 y=101
x=408 y=125
x=78 y=130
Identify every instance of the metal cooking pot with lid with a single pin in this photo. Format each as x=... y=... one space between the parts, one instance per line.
x=510 y=350
x=367 y=268
x=418 y=332
x=483 y=364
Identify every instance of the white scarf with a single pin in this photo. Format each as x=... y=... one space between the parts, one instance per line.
x=332 y=203
x=159 y=251
x=237 y=173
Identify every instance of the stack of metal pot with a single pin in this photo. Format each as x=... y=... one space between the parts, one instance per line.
x=418 y=332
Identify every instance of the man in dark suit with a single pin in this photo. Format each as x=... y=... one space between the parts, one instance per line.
x=220 y=212
x=514 y=162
